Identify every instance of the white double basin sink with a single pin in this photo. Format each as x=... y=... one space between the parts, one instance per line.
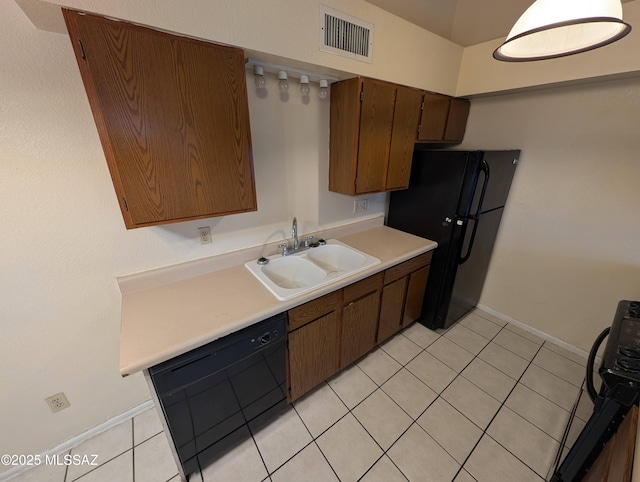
x=289 y=276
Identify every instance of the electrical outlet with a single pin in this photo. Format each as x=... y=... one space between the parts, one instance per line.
x=57 y=402
x=360 y=206
x=205 y=235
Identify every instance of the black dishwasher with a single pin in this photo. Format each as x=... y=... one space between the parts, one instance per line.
x=209 y=393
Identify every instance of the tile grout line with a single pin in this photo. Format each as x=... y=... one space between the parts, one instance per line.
x=66 y=469
x=133 y=451
x=449 y=384
x=439 y=395
x=314 y=439
x=414 y=421
x=484 y=432
x=378 y=387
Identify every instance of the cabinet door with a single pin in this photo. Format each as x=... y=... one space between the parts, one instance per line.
x=173 y=118
x=312 y=354
x=403 y=135
x=376 y=120
x=415 y=295
x=359 y=326
x=434 y=117
x=343 y=135
x=457 y=120
x=391 y=307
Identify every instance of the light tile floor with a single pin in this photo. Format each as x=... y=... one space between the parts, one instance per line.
x=482 y=401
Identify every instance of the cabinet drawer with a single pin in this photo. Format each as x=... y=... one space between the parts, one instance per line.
x=407 y=267
x=362 y=288
x=313 y=310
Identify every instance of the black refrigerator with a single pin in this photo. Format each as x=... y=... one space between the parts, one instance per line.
x=455 y=198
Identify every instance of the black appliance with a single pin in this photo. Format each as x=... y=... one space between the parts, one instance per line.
x=455 y=198
x=620 y=389
x=209 y=394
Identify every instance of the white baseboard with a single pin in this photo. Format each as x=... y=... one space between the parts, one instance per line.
x=533 y=331
x=75 y=441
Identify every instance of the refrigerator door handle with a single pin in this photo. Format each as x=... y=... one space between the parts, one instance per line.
x=476 y=217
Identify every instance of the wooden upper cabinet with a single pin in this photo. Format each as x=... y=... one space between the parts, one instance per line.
x=443 y=119
x=403 y=138
x=457 y=120
x=373 y=129
x=433 y=121
x=374 y=142
x=173 y=118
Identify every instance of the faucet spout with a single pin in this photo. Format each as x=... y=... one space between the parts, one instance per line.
x=294 y=234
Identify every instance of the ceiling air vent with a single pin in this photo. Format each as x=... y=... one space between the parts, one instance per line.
x=344 y=35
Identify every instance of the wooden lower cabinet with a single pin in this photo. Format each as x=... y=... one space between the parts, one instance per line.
x=391 y=307
x=312 y=354
x=331 y=332
x=402 y=295
x=359 y=325
x=415 y=296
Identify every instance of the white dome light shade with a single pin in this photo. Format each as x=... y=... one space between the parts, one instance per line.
x=556 y=28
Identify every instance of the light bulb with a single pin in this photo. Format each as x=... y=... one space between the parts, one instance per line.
x=258 y=80
x=304 y=85
x=324 y=91
x=283 y=83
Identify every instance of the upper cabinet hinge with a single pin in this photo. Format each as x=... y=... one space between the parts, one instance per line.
x=422 y=106
x=419 y=127
x=124 y=203
x=355 y=181
x=84 y=56
x=361 y=96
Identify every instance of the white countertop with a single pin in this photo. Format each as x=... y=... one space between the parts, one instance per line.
x=167 y=320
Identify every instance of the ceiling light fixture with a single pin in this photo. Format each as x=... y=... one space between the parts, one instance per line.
x=557 y=28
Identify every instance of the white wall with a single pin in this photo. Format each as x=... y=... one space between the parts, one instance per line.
x=64 y=242
x=290 y=29
x=480 y=73
x=569 y=244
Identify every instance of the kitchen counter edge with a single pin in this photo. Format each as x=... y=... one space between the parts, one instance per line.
x=153 y=326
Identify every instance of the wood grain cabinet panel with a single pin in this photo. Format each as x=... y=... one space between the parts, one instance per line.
x=433 y=121
x=359 y=327
x=443 y=119
x=303 y=314
x=457 y=120
x=373 y=128
x=403 y=295
x=173 y=119
x=403 y=269
x=362 y=288
x=415 y=295
x=616 y=461
x=376 y=121
x=405 y=121
x=391 y=308
x=312 y=354
x=331 y=332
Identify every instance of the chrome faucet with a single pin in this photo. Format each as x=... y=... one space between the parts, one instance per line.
x=286 y=251
x=294 y=234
